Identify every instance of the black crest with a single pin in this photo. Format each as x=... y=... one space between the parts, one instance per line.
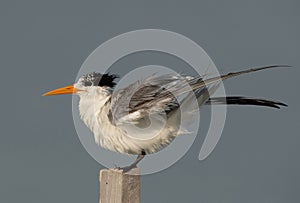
x=98 y=79
x=107 y=80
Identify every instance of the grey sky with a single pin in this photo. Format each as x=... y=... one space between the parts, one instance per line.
x=43 y=45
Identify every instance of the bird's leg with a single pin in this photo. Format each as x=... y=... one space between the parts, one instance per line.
x=138 y=159
x=133 y=165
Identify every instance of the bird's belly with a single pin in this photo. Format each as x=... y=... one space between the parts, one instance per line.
x=126 y=141
x=114 y=139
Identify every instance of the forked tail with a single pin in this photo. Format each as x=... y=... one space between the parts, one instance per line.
x=238 y=100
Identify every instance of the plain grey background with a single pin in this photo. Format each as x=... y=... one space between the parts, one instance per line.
x=42 y=46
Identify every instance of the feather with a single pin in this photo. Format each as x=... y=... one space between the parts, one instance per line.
x=239 y=100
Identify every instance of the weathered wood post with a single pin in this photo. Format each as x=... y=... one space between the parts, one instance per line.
x=118 y=187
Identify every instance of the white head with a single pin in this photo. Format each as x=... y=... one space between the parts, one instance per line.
x=89 y=85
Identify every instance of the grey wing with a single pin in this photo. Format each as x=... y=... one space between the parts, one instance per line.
x=154 y=94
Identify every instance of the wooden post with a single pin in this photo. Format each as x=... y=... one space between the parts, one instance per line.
x=118 y=187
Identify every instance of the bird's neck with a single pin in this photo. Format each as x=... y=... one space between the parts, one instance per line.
x=90 y=107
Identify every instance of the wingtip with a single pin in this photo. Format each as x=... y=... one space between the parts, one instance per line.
x=280 y=104
x=274 y=66
x=283 y=104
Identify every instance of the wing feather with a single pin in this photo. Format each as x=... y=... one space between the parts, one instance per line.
x=158 y=93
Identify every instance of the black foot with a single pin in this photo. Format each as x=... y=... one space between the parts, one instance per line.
x=133 y=165
x=126 y=168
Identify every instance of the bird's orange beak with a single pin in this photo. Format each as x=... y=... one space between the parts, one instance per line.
x=64 y=90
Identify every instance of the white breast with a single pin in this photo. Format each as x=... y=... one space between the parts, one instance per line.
x=94 y=111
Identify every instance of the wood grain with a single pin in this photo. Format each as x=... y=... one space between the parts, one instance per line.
x=118 y=187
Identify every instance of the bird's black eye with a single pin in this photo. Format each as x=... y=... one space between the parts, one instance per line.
x=88 y=83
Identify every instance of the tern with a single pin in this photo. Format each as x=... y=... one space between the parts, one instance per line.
x=109 y=113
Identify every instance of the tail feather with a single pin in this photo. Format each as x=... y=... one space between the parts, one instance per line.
x=198 y=83
x=209 y=81
x=238 y=100
x=203 y=95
